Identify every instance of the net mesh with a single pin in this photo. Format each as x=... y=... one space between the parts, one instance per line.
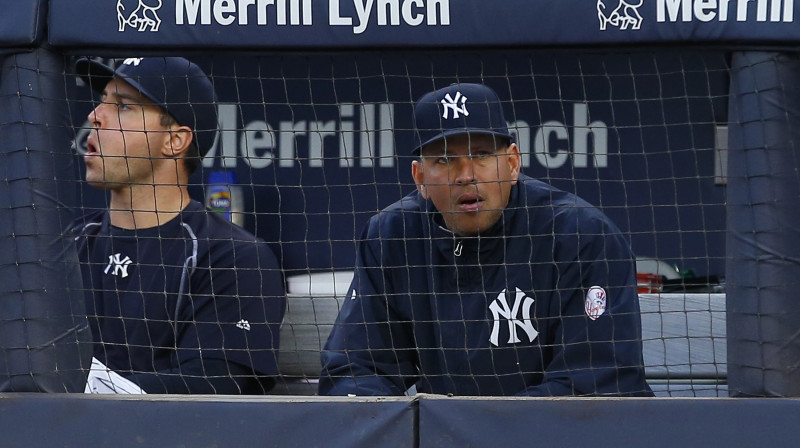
x=313 y=145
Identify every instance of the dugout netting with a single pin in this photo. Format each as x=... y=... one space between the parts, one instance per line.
x=313 y=144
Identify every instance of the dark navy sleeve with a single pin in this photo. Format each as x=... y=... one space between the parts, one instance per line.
x=367 y=351
x=600 y=355
x=235 y=308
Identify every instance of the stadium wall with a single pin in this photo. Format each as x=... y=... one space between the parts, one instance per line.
x=421 y=421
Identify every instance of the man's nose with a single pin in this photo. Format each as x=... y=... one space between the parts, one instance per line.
x=463 y=170
x=95 y=115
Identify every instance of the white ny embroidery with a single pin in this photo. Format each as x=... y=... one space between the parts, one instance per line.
x=499 y=307
x=457 y=105
x=119 y=264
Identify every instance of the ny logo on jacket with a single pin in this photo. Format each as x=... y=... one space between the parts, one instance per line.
x=500 y=308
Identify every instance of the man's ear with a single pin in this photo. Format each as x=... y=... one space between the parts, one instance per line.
x=417 y=172
x=178 y=142
x=514 y=161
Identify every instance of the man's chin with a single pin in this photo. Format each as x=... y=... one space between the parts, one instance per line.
x=464 y=229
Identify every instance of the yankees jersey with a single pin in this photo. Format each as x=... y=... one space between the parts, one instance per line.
x=543 y=303
x=194 y=288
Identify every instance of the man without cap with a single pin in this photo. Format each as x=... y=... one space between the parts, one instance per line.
x=485 y=281
x=179 y=300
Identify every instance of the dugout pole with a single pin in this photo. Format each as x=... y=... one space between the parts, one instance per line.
x=43 y=331
x=763 y=220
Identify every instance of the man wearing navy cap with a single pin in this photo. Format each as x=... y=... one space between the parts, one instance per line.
x=179 y=300
x=485 y=281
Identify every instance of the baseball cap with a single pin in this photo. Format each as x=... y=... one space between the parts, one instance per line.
x=175 y=84
x=458 y=109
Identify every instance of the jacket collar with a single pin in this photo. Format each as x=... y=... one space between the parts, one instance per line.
x=484 y=243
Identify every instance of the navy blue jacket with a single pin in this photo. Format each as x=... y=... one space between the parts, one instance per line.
x=503 y=313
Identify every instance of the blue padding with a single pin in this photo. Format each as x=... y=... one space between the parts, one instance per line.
x=614 y=423
x=42 y=319
x=763 y=262
x=201 y=24
x=28 y=420
x=39 y=420
x=22 y=23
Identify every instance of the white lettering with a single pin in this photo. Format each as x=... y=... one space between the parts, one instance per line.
x=541 y=145
x=583 y=130
x=317 y=131
x=761 y=14
x=377 y=122
x=704 y=10
x=361 y=136
x=391 y=12
x=724 y=5
x=228 y=123
x=363 y=12
x=298 y=12
x=444 y=12
x=244 y=10
x=333 y=14
x=408 y=15
x=258 y=135
x=672 y=7
x=367 y=134
x=226 y=12
x=741 y=10
x=386 y=135
x=708 y=10
x=191 y=7
x=262 y=10
x=390 y=9
x=287 y=141
x=280 y=11
x=347 y=136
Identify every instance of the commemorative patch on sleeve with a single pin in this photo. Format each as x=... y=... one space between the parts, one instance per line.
x=596 y=302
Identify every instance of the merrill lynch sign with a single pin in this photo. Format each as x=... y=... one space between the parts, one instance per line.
x=359 y=15
x=146 y=15
x=626 y=15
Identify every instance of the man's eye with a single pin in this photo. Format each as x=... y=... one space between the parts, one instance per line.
x=442 y=160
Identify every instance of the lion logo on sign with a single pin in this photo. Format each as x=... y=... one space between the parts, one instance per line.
x=625 y=15
x=144 y=15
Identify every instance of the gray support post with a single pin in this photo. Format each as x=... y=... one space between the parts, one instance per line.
x=763 y=219
x=43 y=331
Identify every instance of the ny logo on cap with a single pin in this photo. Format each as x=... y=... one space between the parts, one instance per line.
x=134 y=61
x=457 y=105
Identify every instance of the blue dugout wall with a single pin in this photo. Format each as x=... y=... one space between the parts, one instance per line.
x=455 y=40
x=633 y=156
x=287 y=115
x=312 y=239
